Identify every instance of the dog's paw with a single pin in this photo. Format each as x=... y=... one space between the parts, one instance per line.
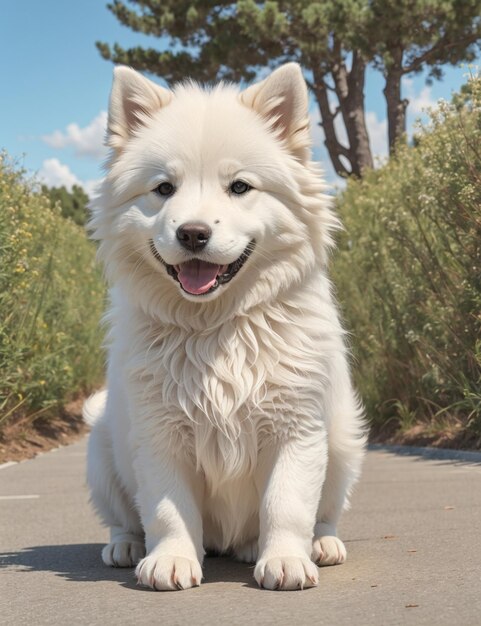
x=328 y=550
x=286 y=573
x=247 y=552
x=164 y=572
x=123 y=553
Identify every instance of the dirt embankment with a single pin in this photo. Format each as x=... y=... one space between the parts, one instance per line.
x=21 y=439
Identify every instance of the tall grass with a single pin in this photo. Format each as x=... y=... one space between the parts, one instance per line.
x=409 y=274
x=51 y=297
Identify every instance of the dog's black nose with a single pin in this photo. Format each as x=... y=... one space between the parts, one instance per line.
x=193 y=235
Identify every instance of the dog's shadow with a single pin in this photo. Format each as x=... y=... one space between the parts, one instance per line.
x=82 y=563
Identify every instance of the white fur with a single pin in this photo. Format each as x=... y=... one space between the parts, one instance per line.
x=229 y=414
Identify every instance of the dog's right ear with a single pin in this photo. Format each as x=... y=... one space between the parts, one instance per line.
x=133 y=100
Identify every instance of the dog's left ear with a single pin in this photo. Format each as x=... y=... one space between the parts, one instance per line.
x=282 y=99
x=133 y=100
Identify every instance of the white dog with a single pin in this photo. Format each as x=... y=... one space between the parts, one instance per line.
x=229 y=422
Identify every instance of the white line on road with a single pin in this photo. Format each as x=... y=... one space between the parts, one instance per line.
x=30 y=497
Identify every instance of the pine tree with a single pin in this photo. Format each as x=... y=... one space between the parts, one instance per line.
x=333 y=40
x=405 y=37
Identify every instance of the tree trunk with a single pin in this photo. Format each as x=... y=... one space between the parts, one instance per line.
x=357 y=115
x=396 y=106
x=349 y=89
x=334 y=148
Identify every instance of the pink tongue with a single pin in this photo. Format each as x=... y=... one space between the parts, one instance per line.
x=196 y=276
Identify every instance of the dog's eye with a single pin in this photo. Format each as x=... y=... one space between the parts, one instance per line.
x=165 y=189
x=239 y=186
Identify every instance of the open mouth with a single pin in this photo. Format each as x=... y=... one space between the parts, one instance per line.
x=198 y=277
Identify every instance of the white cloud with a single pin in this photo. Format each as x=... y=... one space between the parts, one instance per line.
x=377 y=130
x=422 y=101
x=53 y=173
x=91 y=186
x=56 y=174
x=86 y=141
x=419 y=104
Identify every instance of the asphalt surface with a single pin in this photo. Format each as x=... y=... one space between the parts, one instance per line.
x=413 y=537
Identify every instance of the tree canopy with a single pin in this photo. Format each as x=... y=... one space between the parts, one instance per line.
x=333 y=40
x=73 y=203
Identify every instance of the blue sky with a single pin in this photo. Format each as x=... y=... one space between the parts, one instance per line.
x=55 y=88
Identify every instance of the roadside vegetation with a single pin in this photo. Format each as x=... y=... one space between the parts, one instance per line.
x=409 y=278
x=72 y=204
x=51 y=299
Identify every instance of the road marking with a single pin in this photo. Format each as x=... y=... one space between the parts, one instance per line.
x=32 y=497
x=9 y=464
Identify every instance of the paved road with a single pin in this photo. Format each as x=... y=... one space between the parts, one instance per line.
x=413 y=536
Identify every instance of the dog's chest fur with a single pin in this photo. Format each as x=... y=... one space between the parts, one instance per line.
x=224 y=393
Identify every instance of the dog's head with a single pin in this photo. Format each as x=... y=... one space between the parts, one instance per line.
x=210 y=194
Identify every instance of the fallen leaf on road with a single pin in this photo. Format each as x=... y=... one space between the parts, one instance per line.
x=411 y=606
x=389 y=537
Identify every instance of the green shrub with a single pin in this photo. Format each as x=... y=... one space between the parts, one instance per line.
x=51 y=298
x=409 y=273
x=73 y=204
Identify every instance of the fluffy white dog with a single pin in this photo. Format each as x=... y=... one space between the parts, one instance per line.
x=229 y=422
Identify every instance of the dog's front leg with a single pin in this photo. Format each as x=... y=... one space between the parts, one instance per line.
x=170 y=496
x=290 y=477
